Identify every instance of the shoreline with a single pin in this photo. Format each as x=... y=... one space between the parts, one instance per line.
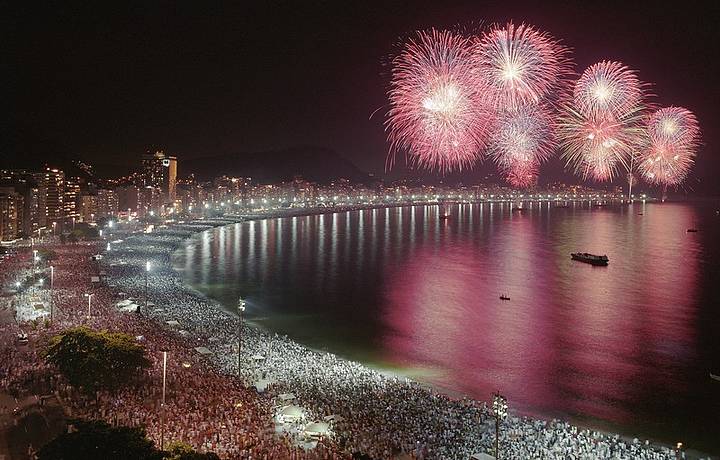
x=195 y=228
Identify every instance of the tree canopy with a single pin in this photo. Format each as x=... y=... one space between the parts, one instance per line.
x=95 y=439
x=96 y=359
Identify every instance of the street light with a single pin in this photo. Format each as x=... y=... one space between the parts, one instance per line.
x=241 y=309
x=52 y=284
x=162 y=406
x=499 y=411
x=89 y=296
x=147 y=270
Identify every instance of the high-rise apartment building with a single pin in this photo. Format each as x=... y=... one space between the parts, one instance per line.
x=149 y=202
x=11 y=208
x=71 y=199
x=128 y=197
x=51 y=190
x=160 y=171
x=23 y=182
x=108 y=203
x=87 y=208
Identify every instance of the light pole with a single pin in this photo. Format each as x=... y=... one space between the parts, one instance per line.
x=52 y=285
x=147 y=270
x=162 y=406
x=89 y=296
x=241 y=309
x=499 y=411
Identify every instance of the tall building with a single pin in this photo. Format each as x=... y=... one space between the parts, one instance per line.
x=51 y=190
x=160 y=171
x=128 y=198
x=11 y=208
x=108 y=203
x=71 y=199
x=149 y=202
x=87 y=208
x=23 y=182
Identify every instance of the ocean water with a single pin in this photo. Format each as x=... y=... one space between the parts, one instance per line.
x=627 y=347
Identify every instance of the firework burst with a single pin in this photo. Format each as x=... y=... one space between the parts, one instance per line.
x=521 y=64
x=521 y=174
x=597 y=145
x=602 y=127
x=607 y=89
x=522 y=134
x=438 y=112
x=674 y=137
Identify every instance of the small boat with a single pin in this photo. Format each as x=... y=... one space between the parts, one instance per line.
x=591 y=259
x=715 y=377
x=516 y=209
x=640 y=214
x=444 y=216
x=504 y=297
x=692 y=230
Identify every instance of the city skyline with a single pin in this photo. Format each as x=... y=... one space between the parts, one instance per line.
x=242 y=72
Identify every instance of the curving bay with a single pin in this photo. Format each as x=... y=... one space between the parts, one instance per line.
x=626 y=347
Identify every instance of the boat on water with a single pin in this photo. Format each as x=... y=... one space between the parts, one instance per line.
x=692 y=230
x=504 y=297
x=591 y=259
x=444 y=216
x=517 y=209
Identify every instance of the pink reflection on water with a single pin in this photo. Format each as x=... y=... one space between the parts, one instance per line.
x=573 y=339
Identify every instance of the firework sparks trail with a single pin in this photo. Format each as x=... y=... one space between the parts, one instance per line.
x=439 y=112
x=674 y=137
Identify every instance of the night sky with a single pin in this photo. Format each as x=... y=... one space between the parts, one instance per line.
x=113 y=78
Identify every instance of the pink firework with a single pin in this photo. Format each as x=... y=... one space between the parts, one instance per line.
x=602 y=126
x=522 y=134
x=607 y=89
x=439 y=112
x=596 y=146
x=521 y=64
x=521 y=174
x=674 y=138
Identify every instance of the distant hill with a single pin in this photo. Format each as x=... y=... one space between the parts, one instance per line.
x=316 y=164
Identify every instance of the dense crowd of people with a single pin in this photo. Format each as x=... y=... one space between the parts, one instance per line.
x=215 y=406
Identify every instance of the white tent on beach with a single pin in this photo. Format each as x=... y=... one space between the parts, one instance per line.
x=291 y=414
x=317 y=429
x=482 y=456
